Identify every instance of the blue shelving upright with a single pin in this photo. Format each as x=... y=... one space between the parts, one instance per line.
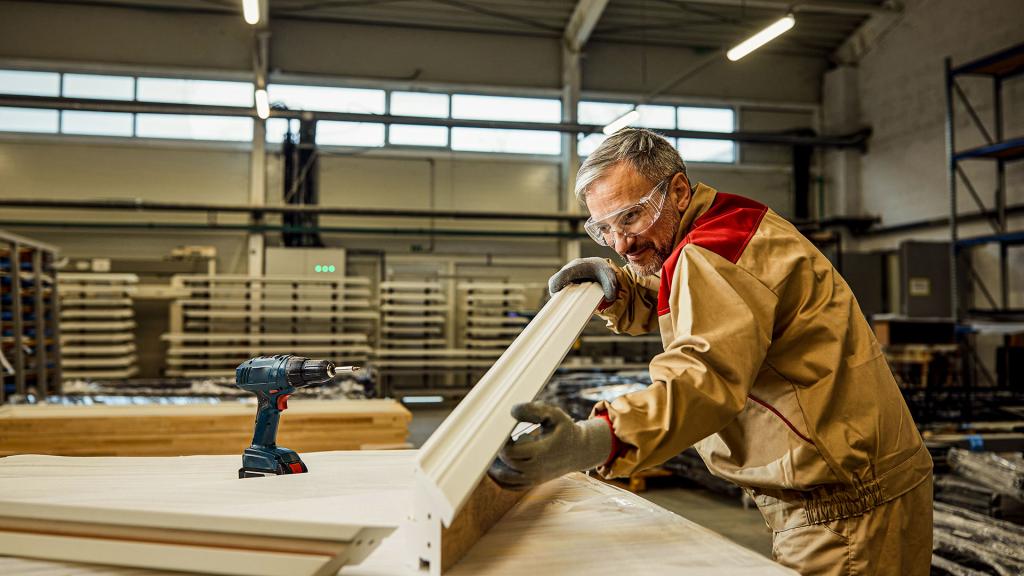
x=29 y=313
x=998 y=150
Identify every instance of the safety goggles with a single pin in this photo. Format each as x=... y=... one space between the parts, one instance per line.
x=629 y=221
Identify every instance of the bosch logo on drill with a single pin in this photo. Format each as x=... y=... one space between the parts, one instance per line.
x=273 y=379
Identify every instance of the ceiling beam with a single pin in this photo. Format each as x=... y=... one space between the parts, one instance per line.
x=582 y=22
x=865 y=38
x=817 y=6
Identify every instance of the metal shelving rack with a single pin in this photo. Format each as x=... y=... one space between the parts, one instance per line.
x=493 y=314
x=998 y=150
x=98 y=325
x=29 y=313
x=219 y=321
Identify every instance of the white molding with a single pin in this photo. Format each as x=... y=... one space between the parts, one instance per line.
x=457 y=455
x=179 y=541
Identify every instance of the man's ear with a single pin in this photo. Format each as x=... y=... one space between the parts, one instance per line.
x=680 y=186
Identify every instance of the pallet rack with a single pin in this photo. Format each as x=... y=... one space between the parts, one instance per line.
x=219 y=321
x=494 y=314
x=997 y=150
x=415 y=357
x=29 y=311
x=97 y=325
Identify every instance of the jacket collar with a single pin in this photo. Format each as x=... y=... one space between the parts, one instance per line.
x=702 y=197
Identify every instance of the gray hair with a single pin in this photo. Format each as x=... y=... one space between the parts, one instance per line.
x=647 y=152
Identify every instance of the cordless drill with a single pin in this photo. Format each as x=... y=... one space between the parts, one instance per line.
x=273 y=379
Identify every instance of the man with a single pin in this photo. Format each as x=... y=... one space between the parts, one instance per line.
x=770 y=370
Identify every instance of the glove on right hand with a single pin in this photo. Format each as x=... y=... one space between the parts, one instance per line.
x=583 y=270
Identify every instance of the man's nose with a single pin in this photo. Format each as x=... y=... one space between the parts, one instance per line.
x=622 y=242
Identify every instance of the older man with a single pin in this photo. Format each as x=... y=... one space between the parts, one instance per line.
x=770 y=370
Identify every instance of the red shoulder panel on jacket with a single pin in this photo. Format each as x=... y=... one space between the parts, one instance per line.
x=725 y=229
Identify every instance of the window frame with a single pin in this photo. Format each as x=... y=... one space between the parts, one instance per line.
x=450 y=94
x=676 y=105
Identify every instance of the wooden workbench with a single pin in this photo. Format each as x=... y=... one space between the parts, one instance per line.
x=574 y=525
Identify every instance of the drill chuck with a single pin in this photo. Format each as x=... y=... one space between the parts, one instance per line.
x=315 y=372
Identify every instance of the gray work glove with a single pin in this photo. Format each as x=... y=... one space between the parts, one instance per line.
x=586 y=270
x=562 y=446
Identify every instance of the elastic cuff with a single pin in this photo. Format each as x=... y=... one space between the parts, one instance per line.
x=616 y=443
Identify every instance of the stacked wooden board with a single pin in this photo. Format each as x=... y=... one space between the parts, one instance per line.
x=97 y=325
x=492 y=314
x=225 y=428
x=222 y=320
x=414 y=317
x=193 y=513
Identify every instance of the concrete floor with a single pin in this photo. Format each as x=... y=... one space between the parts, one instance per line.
x=723 y=515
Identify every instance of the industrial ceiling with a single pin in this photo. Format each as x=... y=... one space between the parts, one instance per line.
x=822 y=25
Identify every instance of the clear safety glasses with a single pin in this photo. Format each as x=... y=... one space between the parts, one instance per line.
x=631 y=220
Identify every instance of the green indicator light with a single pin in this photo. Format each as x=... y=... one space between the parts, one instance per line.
x=318 y=268
x=330 y=268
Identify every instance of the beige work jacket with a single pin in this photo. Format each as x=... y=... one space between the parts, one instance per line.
x=770 y=370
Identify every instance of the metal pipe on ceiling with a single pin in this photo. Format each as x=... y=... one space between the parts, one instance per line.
x=854 y=140
x=265 y=228
x=940 y=221
x=155 y=206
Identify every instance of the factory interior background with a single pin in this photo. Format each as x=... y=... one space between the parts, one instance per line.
x=389 y=184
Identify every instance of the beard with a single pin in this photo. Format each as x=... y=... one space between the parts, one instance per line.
x=653 y=263
x=661 y=245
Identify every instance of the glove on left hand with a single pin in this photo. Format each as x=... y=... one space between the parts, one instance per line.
x=563 y=446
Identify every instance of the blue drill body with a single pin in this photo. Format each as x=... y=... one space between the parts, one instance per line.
x=273 y=379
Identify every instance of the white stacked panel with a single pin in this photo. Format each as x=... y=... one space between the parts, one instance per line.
x=414 y=318
x=97 y=324
x=494 y=314
x=221 y=321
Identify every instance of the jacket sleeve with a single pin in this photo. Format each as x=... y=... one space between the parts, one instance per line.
x=722 y=319
x=635 y=311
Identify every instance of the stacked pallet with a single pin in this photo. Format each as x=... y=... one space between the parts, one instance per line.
x=221 y=321
x=97 y=325
x=414 y=316
x=493 y=314
x=226 y=428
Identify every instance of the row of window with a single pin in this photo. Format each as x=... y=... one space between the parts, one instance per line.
x=334 y=99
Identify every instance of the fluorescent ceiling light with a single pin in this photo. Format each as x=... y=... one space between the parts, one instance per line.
x=621 y=122
x=251 y=11
x=262 y=104
x=761 y=38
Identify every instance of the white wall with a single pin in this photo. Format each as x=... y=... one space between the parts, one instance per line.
x=88 y=34
x=900 y=89
x=902 y=99
x=49 y=168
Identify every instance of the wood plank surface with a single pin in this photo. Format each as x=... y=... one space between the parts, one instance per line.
x=571 y=526
x=225 y=428
x=172 y=501
x=488 y=504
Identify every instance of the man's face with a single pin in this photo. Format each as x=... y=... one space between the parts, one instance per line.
x=622 y=187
